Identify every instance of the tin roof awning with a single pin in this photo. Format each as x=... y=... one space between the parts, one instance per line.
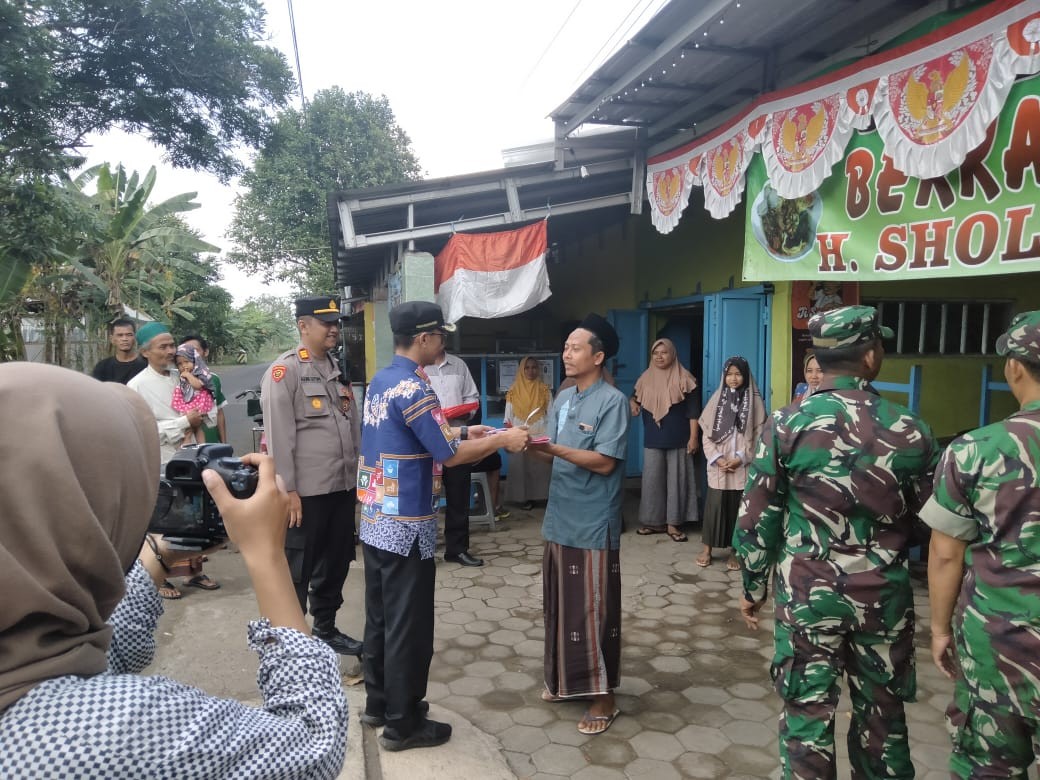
x=368 y=225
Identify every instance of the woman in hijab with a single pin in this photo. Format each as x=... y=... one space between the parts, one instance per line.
x=527 y=403
x=732 y=422
x=80 y=607
x=813 y=378
x=666 y=396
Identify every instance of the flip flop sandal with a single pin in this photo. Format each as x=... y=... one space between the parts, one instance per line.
x=168 y=591
x=648 y=531
x=677 y=536
x=607 y=720
x=202 y=581
x=546 y=696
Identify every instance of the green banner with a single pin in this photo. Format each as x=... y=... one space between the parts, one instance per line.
x=869 y=222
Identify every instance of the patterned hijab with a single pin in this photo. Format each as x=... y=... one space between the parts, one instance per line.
x=200 y=370
x=80 y=460
x=526 y=395
x=659 y=389
x=736 y=409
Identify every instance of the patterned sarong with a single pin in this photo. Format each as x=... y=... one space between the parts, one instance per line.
x=582 y=590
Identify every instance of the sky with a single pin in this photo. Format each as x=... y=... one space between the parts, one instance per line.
x=465 y=78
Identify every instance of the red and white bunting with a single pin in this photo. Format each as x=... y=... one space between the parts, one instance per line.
x=932 y=101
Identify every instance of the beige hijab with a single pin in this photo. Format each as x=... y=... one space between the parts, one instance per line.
x=658 y=389
x=80 y=465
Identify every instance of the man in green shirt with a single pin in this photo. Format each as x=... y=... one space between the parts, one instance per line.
x=984 y=574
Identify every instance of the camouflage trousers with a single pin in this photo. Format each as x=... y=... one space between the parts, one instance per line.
x=807 y=670
x=989 y=740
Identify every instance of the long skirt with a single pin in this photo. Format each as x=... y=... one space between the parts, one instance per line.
x=528 y=478
x=582 y=590
x=720 y=517
x=669 y=492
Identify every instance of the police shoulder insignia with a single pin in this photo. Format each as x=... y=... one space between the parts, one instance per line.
x=277 y=372
x=303 y=353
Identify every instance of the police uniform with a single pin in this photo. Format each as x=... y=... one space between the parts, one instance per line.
x=313 y=431
x=828 y=502
x=987 y=494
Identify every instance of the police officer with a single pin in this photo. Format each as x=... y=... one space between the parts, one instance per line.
x=829 y=500
x=313 y=433
x=985 y=516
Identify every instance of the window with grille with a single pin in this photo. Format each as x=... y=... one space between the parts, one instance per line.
x=944 y=327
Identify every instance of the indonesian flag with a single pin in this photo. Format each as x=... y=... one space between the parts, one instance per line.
x=491 y=275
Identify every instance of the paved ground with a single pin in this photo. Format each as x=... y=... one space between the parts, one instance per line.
x=695 y=693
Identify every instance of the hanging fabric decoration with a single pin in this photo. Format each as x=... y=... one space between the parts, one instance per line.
x=932 y=101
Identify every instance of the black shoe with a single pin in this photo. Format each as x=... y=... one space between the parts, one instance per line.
x=465 y=559
x=376 y=721
x=430 y=734
x=338 y=641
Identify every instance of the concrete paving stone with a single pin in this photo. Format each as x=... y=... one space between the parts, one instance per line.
x=526 y=568
x=655 y=602
x=746 y=732
x=515 y=623
x=449 y=595
x=457 y=618
x=649 y=616
x=700 y=694
x=750 y=691
x=638 y=637
x=511 y=548
x=520 y=763
x=467 y=706
x=932 y=756
x=479 y=592
x=633 y=686
x=470 y=641
x=481 y=627
x=471 y=686
x=703 y=739
x=485 y=669
x=502 y=565
x=492 y=721
x=670 y=663
x=444 y=630
x=469 y=574
x=545 y=776
x=599 y=773
x=502 y=700
x=513 y=591
x=657 y=720
x=562 y=759
x=436 y=690
x=532 y=648
x=457 y=656
x=518 y=581
x=468 y=605
x=536 y=632
x=441 y=672
x=657 y=745
x=506 y=637
x=563 y=731
x=495 y=653
x=745 y=709
x=515 y=681
x=752 y=761
x=705 y=715
x=700 y=765
x=523 y=739
x=534 y=716
x=652 y=769
x=499 y=602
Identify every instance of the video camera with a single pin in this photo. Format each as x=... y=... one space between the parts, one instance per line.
x=184 y=513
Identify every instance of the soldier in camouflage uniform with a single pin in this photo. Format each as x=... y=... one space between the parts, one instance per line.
x=985 y=516
x=828 y=503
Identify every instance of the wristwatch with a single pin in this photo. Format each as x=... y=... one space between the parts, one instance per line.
x=464 y=433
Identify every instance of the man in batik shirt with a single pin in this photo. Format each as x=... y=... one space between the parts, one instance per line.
x=985 y=517
x=828 y=502
x=404 y=443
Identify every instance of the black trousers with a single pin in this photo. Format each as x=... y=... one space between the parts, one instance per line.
x=320 y=551
x=398 y=634
x=456 y=516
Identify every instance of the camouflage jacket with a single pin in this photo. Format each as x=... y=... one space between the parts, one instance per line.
x=987 y=493
x=828 y=501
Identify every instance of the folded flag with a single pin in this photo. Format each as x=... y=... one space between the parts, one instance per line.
x=491 y=275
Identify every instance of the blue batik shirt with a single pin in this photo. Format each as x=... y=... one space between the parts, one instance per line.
x=404 y=440
x=584 y=508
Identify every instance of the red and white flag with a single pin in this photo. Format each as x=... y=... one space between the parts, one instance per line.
x=491 y=275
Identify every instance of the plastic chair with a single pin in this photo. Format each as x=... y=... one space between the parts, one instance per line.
x=481 y=510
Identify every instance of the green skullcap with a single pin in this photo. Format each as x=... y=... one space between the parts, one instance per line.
x=149 y=331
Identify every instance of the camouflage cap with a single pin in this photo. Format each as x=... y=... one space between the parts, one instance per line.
x=1022 y=339
x=846 y=327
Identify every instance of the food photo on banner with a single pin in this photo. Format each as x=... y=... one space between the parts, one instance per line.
x=870 y=222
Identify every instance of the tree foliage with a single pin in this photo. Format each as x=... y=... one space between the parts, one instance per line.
x=341 y=141
x=262 y=326
x=195 y=76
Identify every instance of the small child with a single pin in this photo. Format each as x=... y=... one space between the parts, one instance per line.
x=194 y=391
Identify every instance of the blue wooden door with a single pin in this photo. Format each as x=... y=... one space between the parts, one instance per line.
x=737 y=323
x=631 y=360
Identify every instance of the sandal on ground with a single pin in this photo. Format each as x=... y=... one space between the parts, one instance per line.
x=700 y=560
x=202 y=581
x=168 y=591
x=599 y=723
x=648 y=530
x=677 y=536
x=546 y=696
